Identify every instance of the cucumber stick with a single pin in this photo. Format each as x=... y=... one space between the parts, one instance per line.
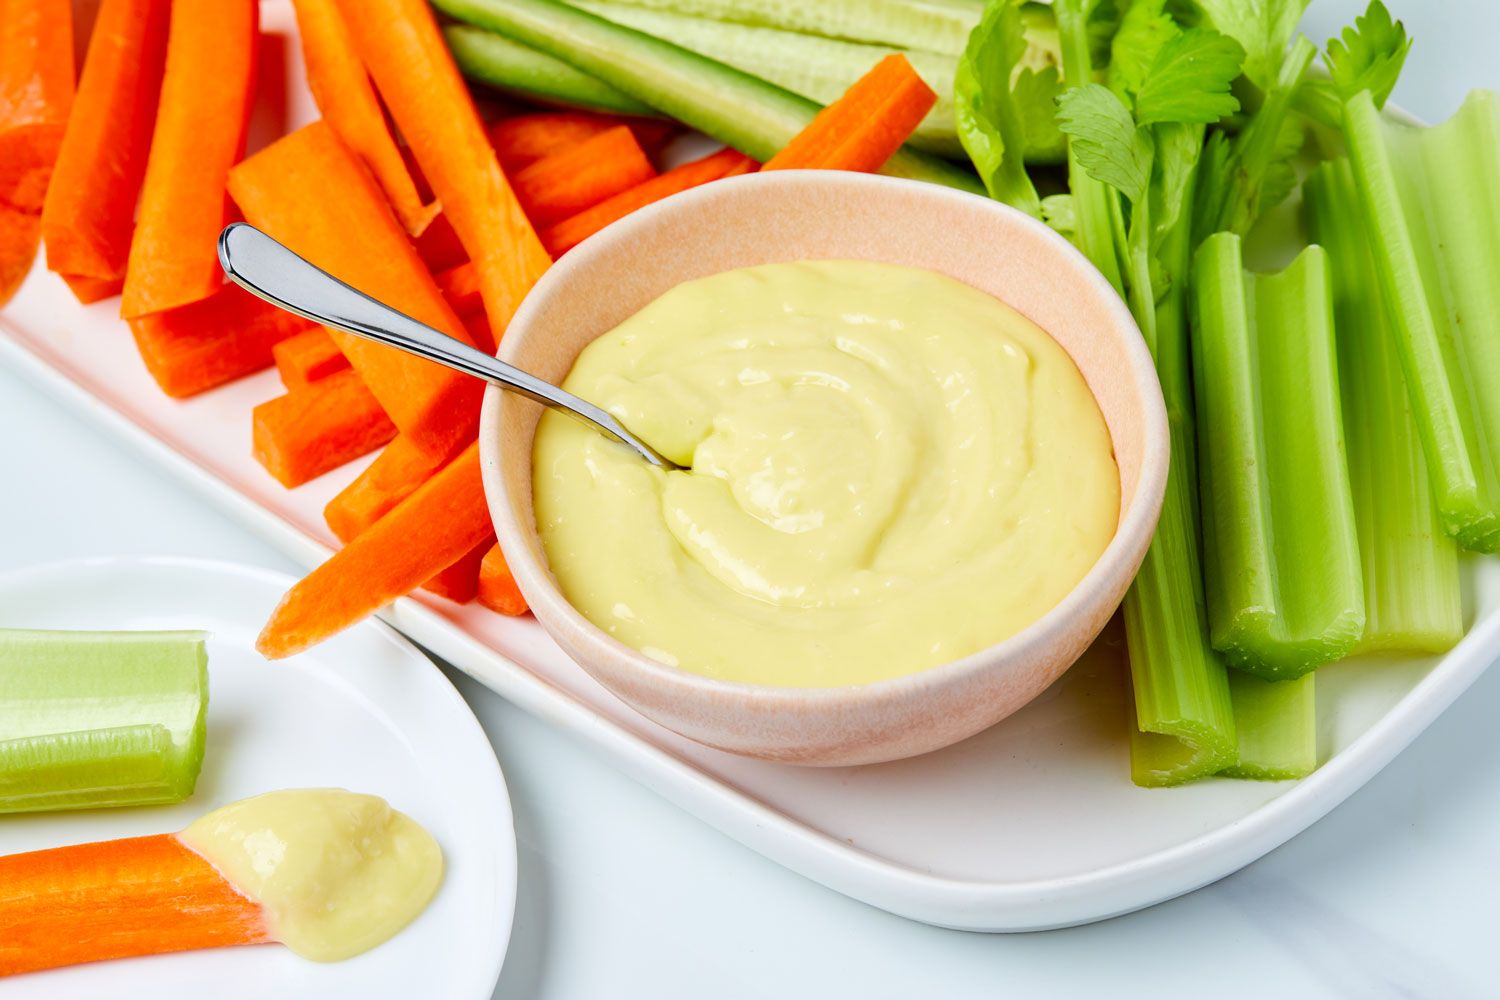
x=93 y=719
x=1431 y=200
x=498 y=62
x=940 y=26
x=1280 y=549
x=815 y=67
x=756 y=117
x=1412 y=599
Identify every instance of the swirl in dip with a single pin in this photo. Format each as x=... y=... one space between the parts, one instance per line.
x=887 y=470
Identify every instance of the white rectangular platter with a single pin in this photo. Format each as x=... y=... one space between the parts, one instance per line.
x=1033 y=824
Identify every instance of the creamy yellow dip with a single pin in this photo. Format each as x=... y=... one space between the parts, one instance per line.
x=889 y=470
x=337 y=873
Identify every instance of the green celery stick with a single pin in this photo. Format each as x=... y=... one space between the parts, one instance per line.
x=1431 y=200
x=95 y=719
x=1276 y=726
x=498 y=62
x=1280 y=547
x=1412 y=599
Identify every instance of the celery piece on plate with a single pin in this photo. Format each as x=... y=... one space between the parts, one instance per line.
x=94 y=719
x=754 y=116
x=1431 y=201
x=1280 y=548
x=1275 y=723
x=1412 y=598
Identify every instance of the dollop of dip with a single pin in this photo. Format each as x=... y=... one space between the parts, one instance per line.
x=887 y=470
x=337 y=873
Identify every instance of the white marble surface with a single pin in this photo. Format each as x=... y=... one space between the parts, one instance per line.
x=622 y=895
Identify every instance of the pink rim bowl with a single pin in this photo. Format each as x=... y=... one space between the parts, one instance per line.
x=809 y=215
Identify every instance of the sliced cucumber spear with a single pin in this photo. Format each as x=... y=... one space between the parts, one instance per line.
x=93 y=719
x=498 y=62
x=756 y=117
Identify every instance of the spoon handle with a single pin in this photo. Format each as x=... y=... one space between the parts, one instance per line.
x=264 y=267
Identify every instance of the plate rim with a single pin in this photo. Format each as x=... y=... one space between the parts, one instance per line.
x=494 y=774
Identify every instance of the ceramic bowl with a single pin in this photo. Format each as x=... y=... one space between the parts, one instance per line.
x=806 y=215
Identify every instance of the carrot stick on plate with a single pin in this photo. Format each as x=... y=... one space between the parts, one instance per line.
x=444 y=519
x=89 y=214
x=315 y=429
x=521 y=140
x=570 y=232
x=36 y=94
x=460 y=286
x=310 y=192
x=497 y=588
x=864 y=127
x=344 y=94
x=308 y=357
x=117 y=899
x=394 y=475
x=569 y=181
x=403 y=49
x=206 y=95
x=460 y=582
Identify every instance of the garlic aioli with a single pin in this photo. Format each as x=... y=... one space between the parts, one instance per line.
x=887 y=470
x=337 y=873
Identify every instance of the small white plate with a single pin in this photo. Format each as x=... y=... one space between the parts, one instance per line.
x=364 y=711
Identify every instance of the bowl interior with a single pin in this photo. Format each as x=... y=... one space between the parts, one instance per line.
x=809 y=215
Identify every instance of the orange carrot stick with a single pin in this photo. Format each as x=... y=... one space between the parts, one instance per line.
x=87 y=289
x=226 y=336
x=439 y=247
x=206 y=95
x=427 y=532
x=861 y=129
x=308 y=357
x=570 y=181
x=400 y=44
x=394 y=475
x=460 y=286
x=347 y=99
x=460 y=582
x=523 y=139
x=117 y=899
x=311 y=193
x=36 y=92
x=570 y=232
x=313 y=430
x=497 y=588
x=89 y=213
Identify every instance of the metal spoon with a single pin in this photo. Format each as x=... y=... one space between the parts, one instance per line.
x=264 y=267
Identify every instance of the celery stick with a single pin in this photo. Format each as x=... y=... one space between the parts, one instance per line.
x=1095 y=206
x=1280 y=547
x=94 y=719
x=1276 y=725
x=756 y=117
x=1412 y=599
x=1431 y=200
x=498 y=62
x=941 y=26
x=815 y=67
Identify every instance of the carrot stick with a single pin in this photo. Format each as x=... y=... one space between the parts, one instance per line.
x=311 y=193
x=394 y=475
x=460 y=582
x=570 y=232
x=206 y=95
x=523 y=139
x=226 y=336
x=439 y=247
x=308 y=357
x=88 y=289
x=36 y=92
x=89 y=214
x=400 y=44
x=460 y=286
x=427 y=532
x=313 y=430
x=117 y=899
x=861 y=129
x=347 y=99
x=570 y=181
x=497 y=587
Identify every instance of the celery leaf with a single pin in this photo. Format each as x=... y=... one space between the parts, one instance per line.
x=1263 y=27
x=1144 y=29
x=1369 y=55
x=1105 y=139
x=991 y=126
x=1189 y=79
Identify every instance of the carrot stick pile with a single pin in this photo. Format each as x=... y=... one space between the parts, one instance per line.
x=400 y=189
